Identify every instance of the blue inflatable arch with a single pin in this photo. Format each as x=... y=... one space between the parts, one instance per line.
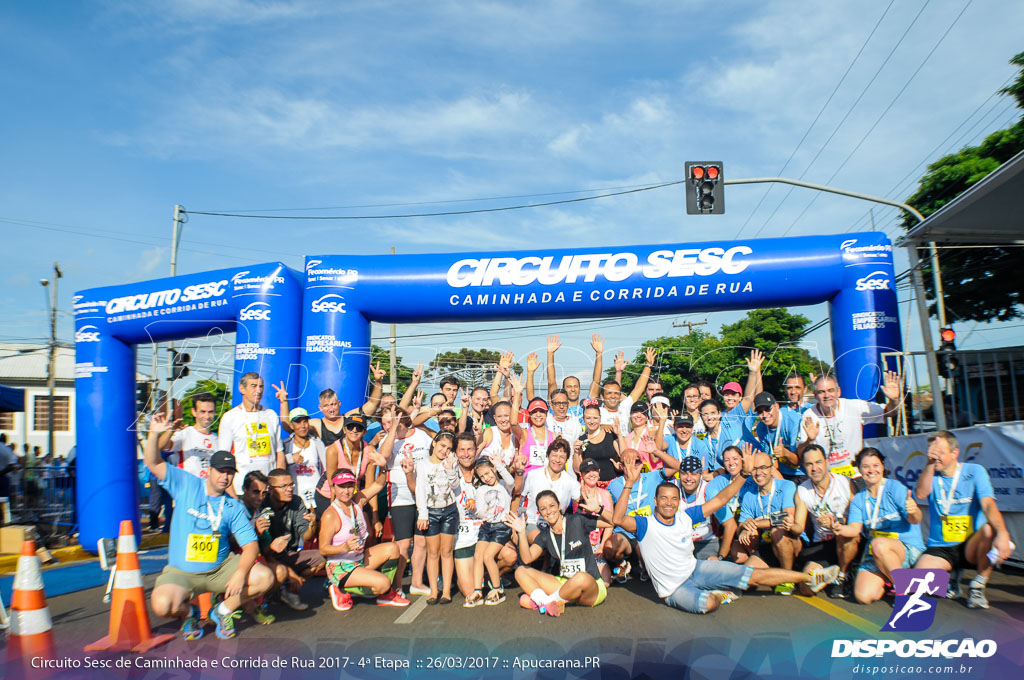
x=311 y=329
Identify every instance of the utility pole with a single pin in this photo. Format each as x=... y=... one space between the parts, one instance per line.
x=689 y=325
x=51 y=367
x=393 y=351
x=176 y=226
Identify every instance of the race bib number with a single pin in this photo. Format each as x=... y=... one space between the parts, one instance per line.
x=956 y=528
x=202 y=548
x=845 y=470
x=259 y=440
x=538 y=455
x=882 y=534
x=570 y=567
x=308 y=498
x=640 y=512
x=766 y=535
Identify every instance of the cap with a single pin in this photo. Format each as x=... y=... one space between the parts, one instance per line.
x=732 y=387
x=685 y=420
x=537 y=404
x=764 y=400
x=661 y=399
x=690 y=464
x=298 y=412
x=355 y=420
x=589 y=465
x=343 y=477
x=222 y=460
x=638 y=407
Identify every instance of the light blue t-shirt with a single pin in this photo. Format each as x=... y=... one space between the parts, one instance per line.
x=787 y=433
x=193 y=510
x=641 y=496
x=737 y=423
x=730 y=509
x=798 y=410
x=973 y=485
x=755 y=506
x=693 y=449
x=892 y=513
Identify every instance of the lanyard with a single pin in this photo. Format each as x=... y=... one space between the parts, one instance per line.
x=947 y=502
x=215 y=523
x=561 y=552
x=760 y=503
x=354 y=517
x=878 y=503
x=823 y=496
x=359 y=460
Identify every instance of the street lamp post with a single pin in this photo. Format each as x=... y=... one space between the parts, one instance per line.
x=51 y=367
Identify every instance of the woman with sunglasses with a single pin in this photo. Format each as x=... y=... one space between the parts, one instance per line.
x=888 y=516
x=351 y=564
x=350 y=452
x=598 y=444
x=437 y=489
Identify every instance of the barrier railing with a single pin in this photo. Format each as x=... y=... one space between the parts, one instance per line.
x=44 y=496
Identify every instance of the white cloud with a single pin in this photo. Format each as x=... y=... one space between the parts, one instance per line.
x=150 y=259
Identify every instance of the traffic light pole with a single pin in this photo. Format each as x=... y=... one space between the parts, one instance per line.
x=938 y=404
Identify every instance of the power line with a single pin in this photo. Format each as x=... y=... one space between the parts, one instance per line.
x=436 y=214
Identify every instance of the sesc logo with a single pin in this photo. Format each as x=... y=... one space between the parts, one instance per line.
x=87 y=334
x=332 y=302
x=257 y=311
x=874 y=281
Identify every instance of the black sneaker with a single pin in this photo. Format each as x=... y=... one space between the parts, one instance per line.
x=841 y=589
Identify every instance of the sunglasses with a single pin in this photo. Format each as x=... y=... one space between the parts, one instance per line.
x=354 y=427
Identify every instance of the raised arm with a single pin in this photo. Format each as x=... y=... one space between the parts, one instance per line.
x=158 y=424
x=501 y=370
x=528 y=552
x=597 y=344
x=893 y=392
x=532 y=364
x=282 y=398
x=630 y=473
x=410 y=392
x=553 y=345
x=371 y=405
x=754 y=363
x=650 y=354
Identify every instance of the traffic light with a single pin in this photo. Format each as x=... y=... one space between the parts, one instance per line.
x=179 y=364
x=947 y=361
x=704 y=188
x=143 y=395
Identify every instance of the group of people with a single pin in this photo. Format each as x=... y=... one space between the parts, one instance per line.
x=31 y=477
x=567 y=495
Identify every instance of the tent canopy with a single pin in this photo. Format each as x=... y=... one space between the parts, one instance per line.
x=988 y=212
x=11 y=399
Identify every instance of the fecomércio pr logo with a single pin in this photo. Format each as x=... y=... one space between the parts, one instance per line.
x=917 y=591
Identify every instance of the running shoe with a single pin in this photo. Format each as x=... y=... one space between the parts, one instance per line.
x=292 y=600
x=416 y=590
x=976 y=599
x=526 y=602
x=341 y=601
x=820 y=578
x=727 y=596
x=392 y=599
x=621 y=573
x=840 y=590
x=191 y=628
x=554 y=608
x=644 y=578
x=785 y=588
x=954 y=591
x=225 y=623
x=262 y=615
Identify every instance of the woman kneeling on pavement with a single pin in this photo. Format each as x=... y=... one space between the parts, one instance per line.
x=351 y=567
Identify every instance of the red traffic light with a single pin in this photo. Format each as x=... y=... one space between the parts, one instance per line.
x=947 y=335
x=712 y=172
x=697 y=172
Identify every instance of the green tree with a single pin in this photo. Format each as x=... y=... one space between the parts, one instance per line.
x=382 y=355
x=980 y=284
x=473 y=367
x=220 y=392
x=686 y=359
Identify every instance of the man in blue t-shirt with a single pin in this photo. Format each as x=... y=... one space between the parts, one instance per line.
x=778 y=435
x=622 y=544
x=964 y=523
x=768 y=534
x=199 y=556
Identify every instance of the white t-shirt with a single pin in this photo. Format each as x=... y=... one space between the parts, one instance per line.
x=566 y=487
x=469 y=522
x=622 y=413
x=667 y=549
x=193 y=449
x=307 y=473
x=418 y=444
x=254 y=437
x=841 y=435
x=835 y=501
x=569 y=429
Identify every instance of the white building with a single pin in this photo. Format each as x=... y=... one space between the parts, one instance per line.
x=24 y=367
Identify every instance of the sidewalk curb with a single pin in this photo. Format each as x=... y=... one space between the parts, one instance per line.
x=76 y=553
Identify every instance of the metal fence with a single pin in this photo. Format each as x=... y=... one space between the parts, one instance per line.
x=980 y=386
x=45 y=498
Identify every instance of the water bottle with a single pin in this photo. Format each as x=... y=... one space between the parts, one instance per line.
x=993 y=554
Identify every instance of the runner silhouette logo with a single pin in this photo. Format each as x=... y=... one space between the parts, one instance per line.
x=916 y=593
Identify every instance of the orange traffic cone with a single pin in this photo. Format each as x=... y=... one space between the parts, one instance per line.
x=129 y=618
x=204 y=602
x=31 y=628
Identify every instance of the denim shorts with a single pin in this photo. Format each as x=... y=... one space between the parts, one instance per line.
x=692 y=595
x=494 y=532
x=443 y=520
x=910 y=557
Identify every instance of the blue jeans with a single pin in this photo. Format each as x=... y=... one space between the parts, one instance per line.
x=692 y=595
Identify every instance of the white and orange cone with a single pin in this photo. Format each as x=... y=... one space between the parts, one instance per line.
x=129 y=618
x=31 y=632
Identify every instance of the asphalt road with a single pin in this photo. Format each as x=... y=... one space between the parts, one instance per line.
x=631 y=635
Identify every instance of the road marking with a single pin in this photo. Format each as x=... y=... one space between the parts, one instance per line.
x=413 y=610
x=846 y=617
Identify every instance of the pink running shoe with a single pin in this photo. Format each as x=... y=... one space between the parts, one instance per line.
x=341 y=601
x=526 y=602
x=392 y=599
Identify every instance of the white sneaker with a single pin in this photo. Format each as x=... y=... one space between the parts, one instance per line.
x=292 y=600
x=822 y=577
x=414 y=590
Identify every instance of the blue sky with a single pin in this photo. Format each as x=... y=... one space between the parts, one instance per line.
x=117 y=111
